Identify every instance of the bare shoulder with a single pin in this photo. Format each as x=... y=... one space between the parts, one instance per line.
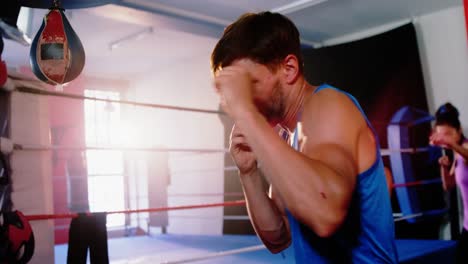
x=333 y=126
x=332 y=110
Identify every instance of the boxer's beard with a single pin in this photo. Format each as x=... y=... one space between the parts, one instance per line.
x=273 y=110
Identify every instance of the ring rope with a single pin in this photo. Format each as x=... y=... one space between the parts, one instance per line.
x=25 y=147
x=37 y=91
x=226 y=194
x=217 y=254
x=262 y=247
x=416 y=183
x=388 y=152
x=20 y=147
x=149 y=210
x=198 y=206
x=416 y=215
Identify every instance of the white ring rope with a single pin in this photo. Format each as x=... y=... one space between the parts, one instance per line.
x=24 y=147
x=258 y=247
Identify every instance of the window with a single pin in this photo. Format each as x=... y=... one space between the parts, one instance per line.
x=105 y=167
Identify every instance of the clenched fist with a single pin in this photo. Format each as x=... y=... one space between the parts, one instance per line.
x=241 y=153
x=441 y=140
x=234 y=86
x=444 y=161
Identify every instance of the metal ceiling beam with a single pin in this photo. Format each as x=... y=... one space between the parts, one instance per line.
x=67 y=4
x=175 y=12
x=189 y=21
x=180 y=20
x=296 y=6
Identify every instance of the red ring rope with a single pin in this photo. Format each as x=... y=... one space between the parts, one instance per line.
x=416 y=183
x=149 y=210
x=184 y=207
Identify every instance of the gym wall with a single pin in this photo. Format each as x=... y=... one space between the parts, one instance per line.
x=190 y=85
x=443 y=48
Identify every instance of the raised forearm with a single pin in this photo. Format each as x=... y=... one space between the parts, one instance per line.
x=302 y=182
x=461 y=150
x=261 y=209
x=266 y=218
x=448 y=181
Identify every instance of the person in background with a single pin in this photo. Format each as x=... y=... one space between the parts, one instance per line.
x=448 y=134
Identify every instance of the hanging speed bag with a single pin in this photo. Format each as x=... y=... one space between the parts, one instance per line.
x=57 y=55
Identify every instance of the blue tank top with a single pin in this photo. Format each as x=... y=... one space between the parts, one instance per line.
x=367 y=234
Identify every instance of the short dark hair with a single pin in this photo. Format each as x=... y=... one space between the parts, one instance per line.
x=266 y=38
x=447 y=114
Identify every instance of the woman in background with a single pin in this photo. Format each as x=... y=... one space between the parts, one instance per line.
x=448 y=134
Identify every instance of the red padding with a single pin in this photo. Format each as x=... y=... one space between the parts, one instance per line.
x=465 y=5
x=3 y=73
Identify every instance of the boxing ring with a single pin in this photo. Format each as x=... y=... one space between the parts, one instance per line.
x=175 y=248
x=210 y=249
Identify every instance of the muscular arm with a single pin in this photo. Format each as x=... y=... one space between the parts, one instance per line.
x=316 y=186
x=268 y=221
